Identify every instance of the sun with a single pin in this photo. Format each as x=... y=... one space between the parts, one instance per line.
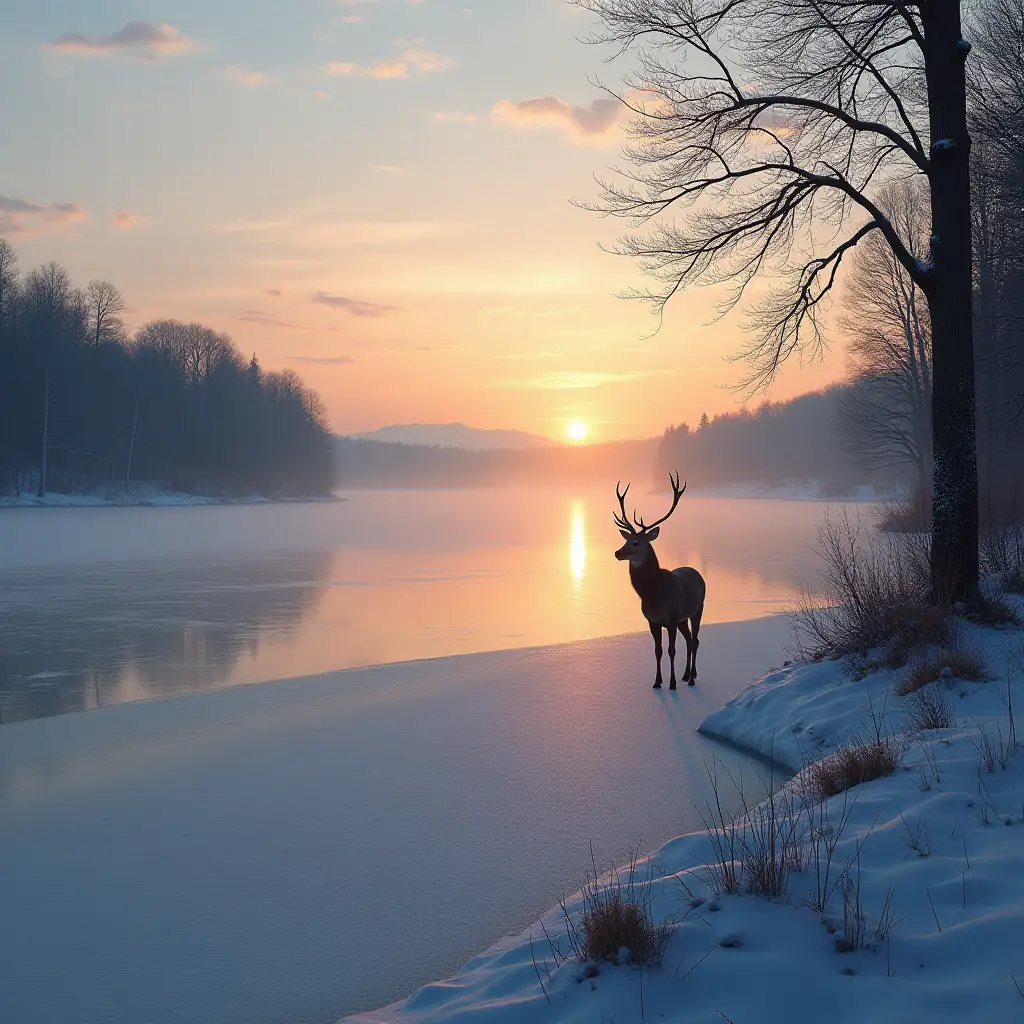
x=576 y=431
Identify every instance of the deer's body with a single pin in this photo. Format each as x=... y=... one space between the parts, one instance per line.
x=672 y=600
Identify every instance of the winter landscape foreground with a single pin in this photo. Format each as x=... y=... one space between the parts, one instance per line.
x=900 y=899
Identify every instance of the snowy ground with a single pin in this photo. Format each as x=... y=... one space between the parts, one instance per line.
x=289 y=852
x=795 y=490
x=117 y=498
x=943 y=835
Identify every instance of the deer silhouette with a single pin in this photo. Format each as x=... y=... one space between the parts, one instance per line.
x=669 y=600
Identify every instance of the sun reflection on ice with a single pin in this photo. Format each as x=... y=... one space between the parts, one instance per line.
x=578 y=545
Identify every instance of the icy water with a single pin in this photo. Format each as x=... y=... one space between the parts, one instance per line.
x=109 y=605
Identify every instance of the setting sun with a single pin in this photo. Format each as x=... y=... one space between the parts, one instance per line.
x=576 y=431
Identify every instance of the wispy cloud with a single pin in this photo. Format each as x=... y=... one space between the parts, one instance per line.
x=411 y=58
x=325 y=233
x=594 y=124
x=19 y=217
x=272 y=292
x=125 y=220
x=323 y=360
x=454 y=115
x=142 y=40
x=519 y=311
x=257 y=316
x=357 y=307
x=251 y=79
x=573 y=380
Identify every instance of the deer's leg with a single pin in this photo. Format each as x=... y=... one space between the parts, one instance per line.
x=656 y=633
x=695 y=621
x=671 y=657
x=684 y=628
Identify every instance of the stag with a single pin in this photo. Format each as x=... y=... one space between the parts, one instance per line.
x=669 y=600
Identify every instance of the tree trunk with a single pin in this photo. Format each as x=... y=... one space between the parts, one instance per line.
x=131 y=449
x=46 y=434
x=954 y=447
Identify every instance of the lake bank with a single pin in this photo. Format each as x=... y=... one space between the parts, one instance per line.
x=905 y=900
x=294 y=850
x=156 y=499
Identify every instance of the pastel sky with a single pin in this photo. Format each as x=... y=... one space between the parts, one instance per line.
x=375 y=193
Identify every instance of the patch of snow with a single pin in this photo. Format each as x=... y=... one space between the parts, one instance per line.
x=155 y=498
x=942 y=839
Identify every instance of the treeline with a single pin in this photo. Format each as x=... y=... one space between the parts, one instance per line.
x=82 y=404
x=362 y=463
x=773 y=444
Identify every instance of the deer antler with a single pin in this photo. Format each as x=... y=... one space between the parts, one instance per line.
x=622 y=522
x=677 y=493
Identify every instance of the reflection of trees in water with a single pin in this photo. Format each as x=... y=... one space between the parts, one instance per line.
x=72 y=640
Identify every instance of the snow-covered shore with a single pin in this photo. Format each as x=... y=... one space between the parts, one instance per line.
x=934 y=854
x=156 y=499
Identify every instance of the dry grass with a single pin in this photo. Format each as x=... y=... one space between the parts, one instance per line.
x=928 y=708
x=954 y=662
x=909 y=514
x=850 y=766
x=874 y=596
x=617 y=913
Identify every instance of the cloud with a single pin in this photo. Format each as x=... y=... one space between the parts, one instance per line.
x=19 y=217
x=519 y=311
x=573 y=380
x=125 y=220
x=411 y=58
x=252 y=79
x=324 y=360
x=257 y=316
x=274 y=292
x=357 y=307
x=454 y=115
x=388 y=168
x=595 y=124
x=142 y=40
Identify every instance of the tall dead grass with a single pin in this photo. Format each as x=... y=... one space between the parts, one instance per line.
x=874 y=595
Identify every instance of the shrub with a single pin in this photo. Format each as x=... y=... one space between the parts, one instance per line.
x=928 y=708
x=617 y=914
x=850 y=766
x=874 y=596
x=962 y=663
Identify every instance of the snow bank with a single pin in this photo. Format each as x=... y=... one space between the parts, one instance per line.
x=942 y=839
x=162 y=499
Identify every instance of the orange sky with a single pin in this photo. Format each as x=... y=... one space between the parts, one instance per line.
x=376 y=194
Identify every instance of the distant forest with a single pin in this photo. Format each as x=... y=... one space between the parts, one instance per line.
x=83 y=405
x=778 y=442
x=362 y=463
x=799 y=440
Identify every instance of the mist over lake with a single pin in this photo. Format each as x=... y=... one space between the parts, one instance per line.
x=108 y=605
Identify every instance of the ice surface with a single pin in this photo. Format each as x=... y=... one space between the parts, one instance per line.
x=294 y=851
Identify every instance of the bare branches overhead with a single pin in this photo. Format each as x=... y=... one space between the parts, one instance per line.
x=759 y=131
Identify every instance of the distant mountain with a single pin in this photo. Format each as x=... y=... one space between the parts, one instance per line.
x=456 y=435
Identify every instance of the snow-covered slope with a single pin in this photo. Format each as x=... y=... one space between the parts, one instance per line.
x=942 y=839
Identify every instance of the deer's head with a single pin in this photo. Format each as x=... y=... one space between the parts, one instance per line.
x=637 y=534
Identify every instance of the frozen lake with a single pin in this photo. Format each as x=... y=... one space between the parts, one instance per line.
x=293 y=852
x=290 y=853
x=105 y=606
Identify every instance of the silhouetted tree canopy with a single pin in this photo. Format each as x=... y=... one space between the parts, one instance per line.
x=177 y=404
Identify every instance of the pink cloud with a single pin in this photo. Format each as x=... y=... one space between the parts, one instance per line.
x=125 y=220
x=252 y=79
x=594 y=124
x=409 y=60
x=142 y=40
x=19 y=217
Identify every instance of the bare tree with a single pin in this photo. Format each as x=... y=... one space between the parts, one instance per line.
x=997 y=114
x=104 y=305
x=886 y=417
x=774 y=122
